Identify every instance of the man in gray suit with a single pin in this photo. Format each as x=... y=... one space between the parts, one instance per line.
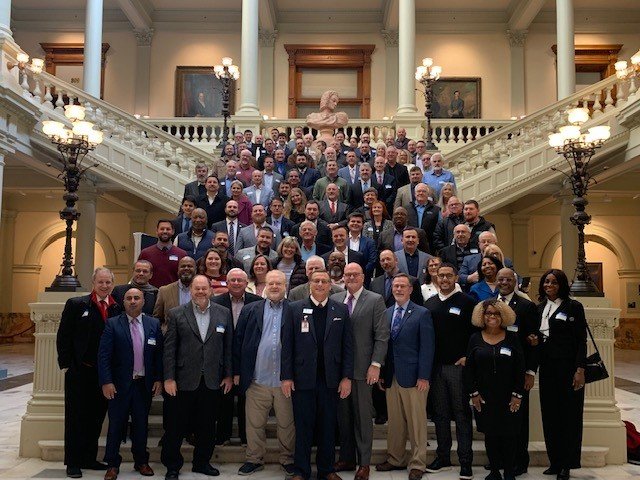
x=257 y=192
x=406 y=195
x=370 y=337
x=197 y=188
x=248 y=236
x=301 y=292
x=411 y=260
x=197 y=363
x=263 y=246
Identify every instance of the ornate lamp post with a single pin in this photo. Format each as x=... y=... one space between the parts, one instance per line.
x=428 y=74
x=225 y=73
x=73 y=145
x=577 y=148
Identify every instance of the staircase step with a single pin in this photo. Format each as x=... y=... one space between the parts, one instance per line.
x=53 y=450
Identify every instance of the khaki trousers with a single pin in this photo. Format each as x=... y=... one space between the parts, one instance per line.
x=407 y=412
x=259 y=400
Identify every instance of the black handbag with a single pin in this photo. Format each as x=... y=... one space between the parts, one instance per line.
x=595 y=368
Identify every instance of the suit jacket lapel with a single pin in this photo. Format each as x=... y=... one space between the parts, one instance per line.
x=175 y=294
x=260 y=316
x=331 y=311
x=191 y=320
x=312 y=326
x=212 y=325
x=407 y=314
x=361 y=301
x=124 y=321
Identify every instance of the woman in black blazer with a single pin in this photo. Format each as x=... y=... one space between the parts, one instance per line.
x=563 y=352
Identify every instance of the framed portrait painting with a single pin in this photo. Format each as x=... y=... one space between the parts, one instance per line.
x=457 y=97
x=199 y=93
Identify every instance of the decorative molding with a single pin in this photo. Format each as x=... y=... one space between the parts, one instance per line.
x=267 y=38
x=390 y=38
x=144 y=37
x=517 y=38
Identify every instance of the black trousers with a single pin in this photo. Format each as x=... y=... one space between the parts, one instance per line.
x=522 y=440
x=228 y=409
x=201 y=404
x=501 y=450
x=562 y=409
x=379 y=402
x=136 y=402
x=84 y=411
x=315 y=415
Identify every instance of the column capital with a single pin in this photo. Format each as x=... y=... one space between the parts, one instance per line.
x=517 y=38
x=390 y=38
x=144 y=36
x=267 y=38
x=9 y=214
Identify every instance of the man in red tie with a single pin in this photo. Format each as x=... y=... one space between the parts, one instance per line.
x=81 y=327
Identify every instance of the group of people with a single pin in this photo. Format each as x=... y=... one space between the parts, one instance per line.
x=321 y=307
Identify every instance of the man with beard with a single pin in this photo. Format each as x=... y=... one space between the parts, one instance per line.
x=142 y=273
x=176 y=293
x=213 y=202
x=197 y=240
x=319 y=189
x=197 y=188
x=230 y=225
x=221 y=244
x=443 y=235
x=164 y=255
x=392 y=239
x=335 y=264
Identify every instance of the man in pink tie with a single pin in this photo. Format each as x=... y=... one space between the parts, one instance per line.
x=130 y=373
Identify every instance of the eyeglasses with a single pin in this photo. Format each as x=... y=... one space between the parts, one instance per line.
x=493 y=314
x=442 y=276
x=352 y=275
x=318 y=281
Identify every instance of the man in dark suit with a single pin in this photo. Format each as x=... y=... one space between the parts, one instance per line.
x=234 y=300
x=411 y=260
x=527 y=327
x=311 y=213
x=365 y=245
x=198 y=239
x=370 y=337
x=213 y=202
x=460 y=248
x=308 y=176
x=182 y=222
x=230 y=224
x=130 y=373
x=256 y=367
x=469 y=268
x=382 y=284
x=406 y=376
x=302 y=292
x=424 y=214
x=197 y=187
x=277 y=220
x=392 y=239
x=197 y=363
x=78 y=338
x=384 y=182
x=364 y=183
x=316 y=370
x=142 y=273
x=395 y=169
x=340 y=243
x=443 y=236
x=332 y=210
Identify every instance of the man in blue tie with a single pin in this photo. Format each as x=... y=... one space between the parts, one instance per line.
x=406 y=376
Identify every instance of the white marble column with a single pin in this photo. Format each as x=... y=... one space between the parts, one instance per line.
x=92 y=66
x=566 y=65
x=249 y=60
x=391 y=72
x=137 y=221
x=5 y=18
x=267 y=42
x=407 y=57
x=7 y=248
x=568 y=236
x=516 y=42
x=143 y=70
x=520 y=242
x=86 y=234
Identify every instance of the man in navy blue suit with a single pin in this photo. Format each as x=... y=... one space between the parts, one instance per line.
x=406 y=376
x=130 y=373
x=316 y=370
x=365 y=245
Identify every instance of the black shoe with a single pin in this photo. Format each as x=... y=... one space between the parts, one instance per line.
x=381 y=420
x=551 y=471
x=487 y=467
x=438 y=466
x=519 y=471
x=465 y=472
x=96 y=466
x=171 y=475
x=289 y=470
x=74 y=472
x=564 y=474
x=248 y=468
x=206 y=470
x=494 y=475
x=509 y=476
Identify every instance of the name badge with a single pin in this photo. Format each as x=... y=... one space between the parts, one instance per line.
x=246 y=257
x=86 y=313
x=388 y=186
x=336 y=319
x=173 y=258
x=223 y=284
x=474 y=250
x=220 y=329
x=307 y=311
x=151 y=341
x=285 y=234
x=370 y=229
x=505 y=351
x=561 y=316
x=238 y=172
x=512 y=328
x=304 y=326
x=454 y=310
x=223 y=182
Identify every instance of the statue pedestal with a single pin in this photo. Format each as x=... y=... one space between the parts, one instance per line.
x=44 y=419
x=602 y=425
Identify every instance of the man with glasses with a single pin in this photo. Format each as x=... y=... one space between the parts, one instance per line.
x=443 y=234
x=451 y=311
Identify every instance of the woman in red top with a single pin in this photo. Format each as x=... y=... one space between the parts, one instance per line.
x=211 y=266
x=244 y=204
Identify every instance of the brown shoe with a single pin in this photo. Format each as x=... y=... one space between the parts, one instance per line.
x=362 y=473
x=144 y=469
x=415 y=474
x=344 y=466
x=333 y=476
x=112 y=473
x=387 y=467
